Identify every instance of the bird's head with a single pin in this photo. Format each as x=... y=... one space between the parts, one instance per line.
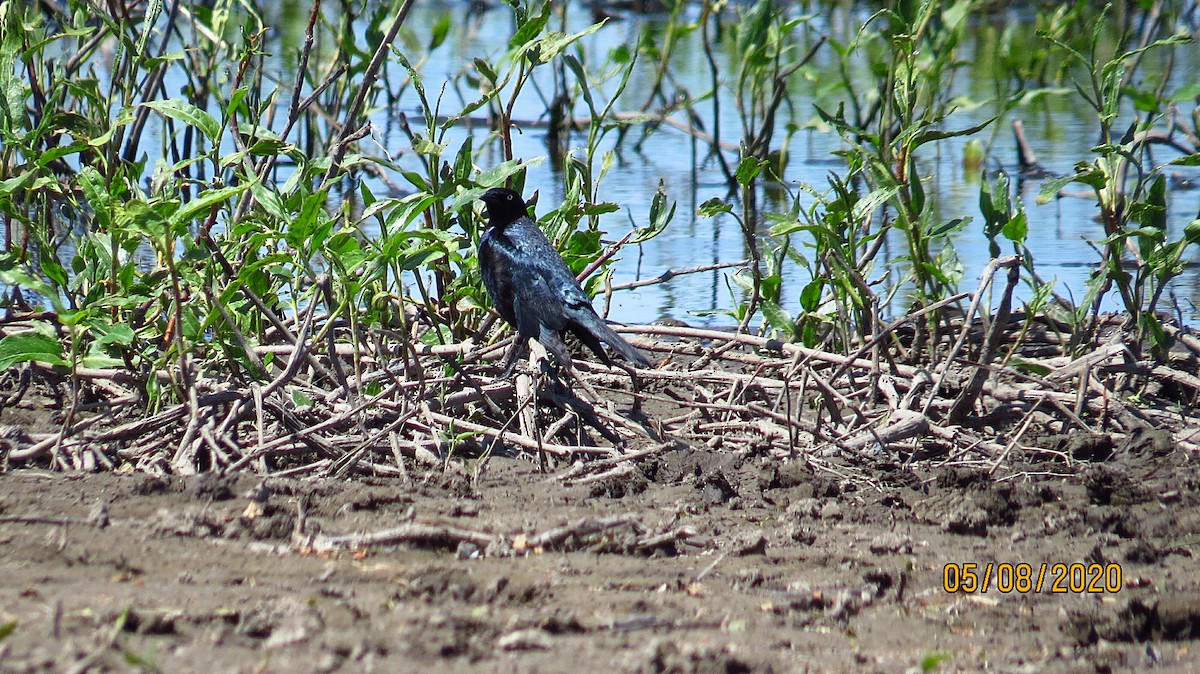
x=503 y=205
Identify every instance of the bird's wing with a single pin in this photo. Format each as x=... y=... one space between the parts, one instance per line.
x=535 y=303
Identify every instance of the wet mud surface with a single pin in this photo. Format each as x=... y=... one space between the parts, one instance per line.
x=721 y=562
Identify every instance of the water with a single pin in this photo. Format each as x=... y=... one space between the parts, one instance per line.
x=1060 y=129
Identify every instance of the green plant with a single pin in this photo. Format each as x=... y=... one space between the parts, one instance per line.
x=1136 y=256
x=913 y=50
x=838 y=304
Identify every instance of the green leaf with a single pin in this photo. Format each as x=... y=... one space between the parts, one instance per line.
x=300 y=399
x=1155 y=213
x=59 y=152
x=54 y=271
x=237 y=101
x=439 y=32
x=40 y=345
x=100 y=361
x=747 y=170
x=948 y=227
x=810 y=296
x=188 y=114
x=422 y=145
x=11 y=185
x=1187 y=92
x=581 y=77
x=417 y=180
x=1030 y=366
x=779 y=318
x=124 y=117
x=368 y=197
x=660 y=215
x=1144 y=100
x=18 y=276
x=601 y=208
x=712 y=207
x=786 y=226
x=916 y=190
x=743 y=279
x=486 y=70
x=8 y=628
x=530 y=28
x=1051 y=188
x=1189 y=160
x=929 y=136
x=204 y=203
x=1153 y=329
x=1017 y=229
x=269 y=201
x=93 y=186
x=496 y=175
x=932 y=661
x=1191 y=232
x=462 y=163
x=866 y=206
x=1033 y=95
x=270 y=147
x=553 y=44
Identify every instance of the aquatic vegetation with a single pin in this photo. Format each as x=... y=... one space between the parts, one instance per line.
x=1133 y=116
x=174 y=232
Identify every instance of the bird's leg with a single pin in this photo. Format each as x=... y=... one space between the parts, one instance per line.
x=634 y=383
x=552 y=341
x=514 y=354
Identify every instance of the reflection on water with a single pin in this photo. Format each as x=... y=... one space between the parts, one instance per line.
x=1060 y=128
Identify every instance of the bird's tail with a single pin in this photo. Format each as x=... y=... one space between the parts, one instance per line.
x=599 y=330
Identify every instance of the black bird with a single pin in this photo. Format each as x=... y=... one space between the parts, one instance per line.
x=534 y=290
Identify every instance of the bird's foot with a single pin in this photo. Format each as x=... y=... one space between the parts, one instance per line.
x=515 y=355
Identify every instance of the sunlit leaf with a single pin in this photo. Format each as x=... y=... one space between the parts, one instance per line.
x=866 y=206
x=600 y=208
x=188 y=114
x=205 y=203
x=660 y=215
x=39 y=345
x=553 y=43
x=1187 y=160
x=779 y=318
x=269 y=201
x=530 y=28
x=1017 y=228
x=786 y=226
x=416 y=179
x=422 y=145
x=1187 y=92
x=936 y=134
x=712 y=207
x=747 y=170
x=1052 y=187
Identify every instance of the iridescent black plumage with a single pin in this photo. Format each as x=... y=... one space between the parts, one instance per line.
x=533 y=289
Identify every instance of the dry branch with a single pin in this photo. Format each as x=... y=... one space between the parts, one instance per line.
x=729 y=391
x=411 y=532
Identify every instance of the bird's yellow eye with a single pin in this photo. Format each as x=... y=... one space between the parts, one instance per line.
x=508 y=196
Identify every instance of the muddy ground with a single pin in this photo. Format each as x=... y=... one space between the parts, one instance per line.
x=762 y=566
